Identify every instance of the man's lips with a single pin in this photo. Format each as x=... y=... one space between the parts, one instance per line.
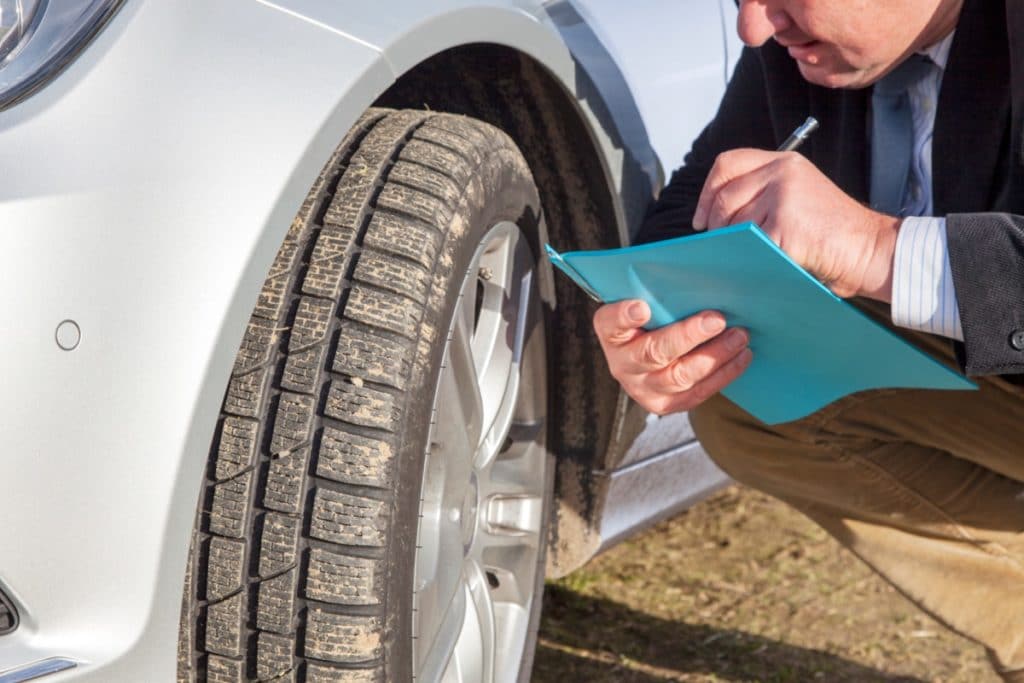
x=804 y=52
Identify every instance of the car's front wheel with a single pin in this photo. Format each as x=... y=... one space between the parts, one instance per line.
x=376 y=502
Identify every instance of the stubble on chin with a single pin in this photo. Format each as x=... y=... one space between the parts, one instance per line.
x=833 y=76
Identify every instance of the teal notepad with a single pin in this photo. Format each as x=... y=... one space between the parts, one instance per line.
x=810 y=347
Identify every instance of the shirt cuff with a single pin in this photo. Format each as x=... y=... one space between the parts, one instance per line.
x=923 y=296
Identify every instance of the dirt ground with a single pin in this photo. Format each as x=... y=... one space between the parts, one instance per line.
x=741 y=588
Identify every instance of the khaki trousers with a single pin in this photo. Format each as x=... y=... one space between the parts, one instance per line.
x=927 y=487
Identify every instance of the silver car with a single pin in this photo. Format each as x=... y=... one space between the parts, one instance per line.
x=288 y=392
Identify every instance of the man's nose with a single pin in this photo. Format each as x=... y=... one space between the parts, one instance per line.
x=759 y=20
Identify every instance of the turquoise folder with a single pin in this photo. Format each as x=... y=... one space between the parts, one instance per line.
x=810 y=347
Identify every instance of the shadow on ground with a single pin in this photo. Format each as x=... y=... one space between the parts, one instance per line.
x=622 y=645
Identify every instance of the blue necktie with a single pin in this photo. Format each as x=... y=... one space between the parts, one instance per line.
x=892 y=134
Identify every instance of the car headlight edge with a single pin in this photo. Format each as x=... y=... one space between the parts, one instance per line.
x=38 y=38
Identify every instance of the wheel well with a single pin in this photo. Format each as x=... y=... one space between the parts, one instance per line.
x=517 y=94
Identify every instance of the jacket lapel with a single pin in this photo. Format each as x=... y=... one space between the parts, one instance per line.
x=1013 y=199
x=843 y=158
x=968 y=165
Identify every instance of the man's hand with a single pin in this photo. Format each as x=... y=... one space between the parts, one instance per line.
x=844 y=244
x=673 y=368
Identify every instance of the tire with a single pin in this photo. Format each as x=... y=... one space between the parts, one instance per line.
x=379 y=485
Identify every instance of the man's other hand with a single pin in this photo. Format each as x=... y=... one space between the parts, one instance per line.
x=840 y=241
x=676 y=367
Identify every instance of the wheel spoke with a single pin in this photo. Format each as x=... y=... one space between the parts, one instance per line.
x=460 y=401
x=440 y=533
x=494 y=340
x=507 y=544
x=498 y=428
x=439 y=576
x=472 y=658
x=520 y=466
x=466 y=313
x=517 y=307
x=511 y=574
x=502 y=369
x=495 y=278
x=439 y=655
x=522 y=437
x=513 y=515
x=492 y=539
x=514 y=621
x=480 y=617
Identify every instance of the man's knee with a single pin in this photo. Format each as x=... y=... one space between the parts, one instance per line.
x=749 y=451
x=729 y=435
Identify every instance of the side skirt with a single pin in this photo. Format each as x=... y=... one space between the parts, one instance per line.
x=665 y=472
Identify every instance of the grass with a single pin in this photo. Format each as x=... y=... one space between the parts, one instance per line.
x=740 y=588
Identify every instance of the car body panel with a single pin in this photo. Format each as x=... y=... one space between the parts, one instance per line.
x=733 y=44
x=666 y=52
x=144 y=195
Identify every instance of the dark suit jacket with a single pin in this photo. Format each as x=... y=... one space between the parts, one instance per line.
x=977 y=163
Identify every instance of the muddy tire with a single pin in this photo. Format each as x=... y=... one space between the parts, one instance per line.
x=375 y=470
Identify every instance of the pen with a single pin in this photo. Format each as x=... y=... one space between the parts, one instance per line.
x=799 y=135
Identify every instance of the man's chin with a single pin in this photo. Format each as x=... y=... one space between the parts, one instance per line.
x=828 y=76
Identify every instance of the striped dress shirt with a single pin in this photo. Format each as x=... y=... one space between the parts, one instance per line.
x=923 y=295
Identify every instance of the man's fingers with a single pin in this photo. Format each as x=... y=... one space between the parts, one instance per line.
x=728 y=166
x=619 y=323
x=718 y=380
x=740 y=197
x=696 y=367
x=660 y=348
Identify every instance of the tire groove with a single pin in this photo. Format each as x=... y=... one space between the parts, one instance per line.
x=437 y=125
x=360 y=551
x=372 y=286
x=439 y=169
x=368 y=383
x=371 y=432
x=237 y=475
x=423 y=190
x=407 y=216
x=410 y=262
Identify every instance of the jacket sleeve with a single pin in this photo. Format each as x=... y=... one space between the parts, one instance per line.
x=986 y=255
x=741 y=121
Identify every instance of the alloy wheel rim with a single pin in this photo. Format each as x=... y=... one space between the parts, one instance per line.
x=485 y=474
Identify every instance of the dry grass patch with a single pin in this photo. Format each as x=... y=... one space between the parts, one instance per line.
x=741 y=588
